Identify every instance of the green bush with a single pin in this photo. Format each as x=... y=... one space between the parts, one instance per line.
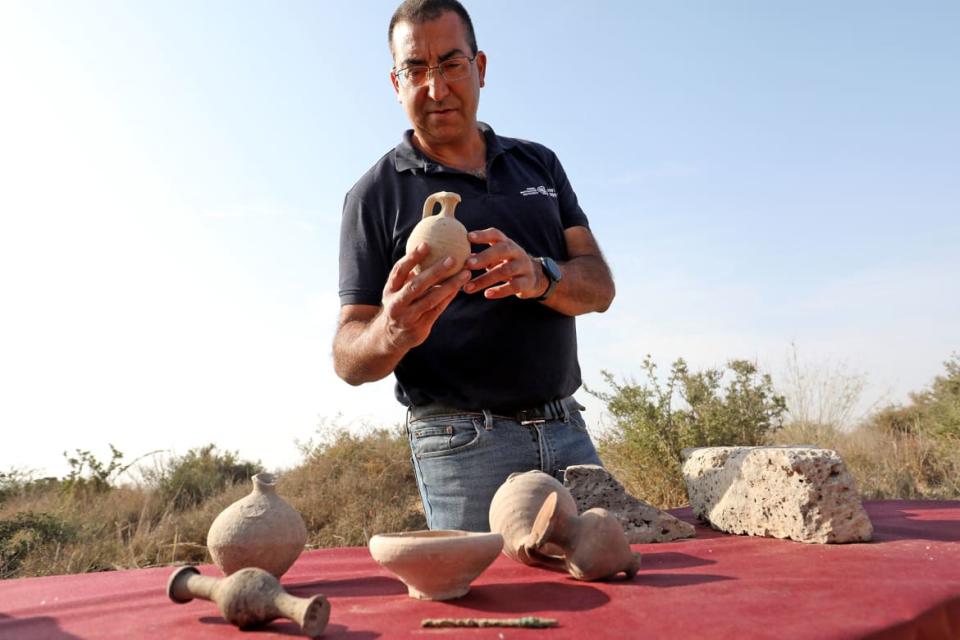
x=89 y=475
x=654 y=421
x=24 y=534
x=934 y=412
x=188 y=480
x=14 y=482
x=920 y=454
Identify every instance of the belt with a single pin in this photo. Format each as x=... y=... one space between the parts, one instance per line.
x=553 y=410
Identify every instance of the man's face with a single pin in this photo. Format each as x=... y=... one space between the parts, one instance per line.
x=441 y=112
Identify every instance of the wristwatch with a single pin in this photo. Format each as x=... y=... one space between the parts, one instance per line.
x=552 y=270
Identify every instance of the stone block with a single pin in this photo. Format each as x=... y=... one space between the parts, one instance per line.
x=801 y=493
x=593 y=486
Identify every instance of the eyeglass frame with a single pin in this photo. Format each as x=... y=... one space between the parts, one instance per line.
x=431 y=70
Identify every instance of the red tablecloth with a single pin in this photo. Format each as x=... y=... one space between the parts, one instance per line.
x=903 y=584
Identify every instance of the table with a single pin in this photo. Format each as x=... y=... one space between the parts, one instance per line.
x=903 y=584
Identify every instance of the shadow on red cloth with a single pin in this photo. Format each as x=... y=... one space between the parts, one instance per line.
x=353 y=587
x=33 y=627
x=942 y=621
x=671 y=560
x=530 y=597
x=288 y=628
x=893 y=522
x=670 y=580
x=509 y=597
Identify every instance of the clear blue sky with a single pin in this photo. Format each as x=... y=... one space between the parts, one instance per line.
x=171 y=177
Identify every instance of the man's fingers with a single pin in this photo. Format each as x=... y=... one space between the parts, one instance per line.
x=421 y=298
x=432 y=313
x=400 y=273
x=490 y=235
x=420 y=284
x=513 y=271
x=502 y=291
x=492 y=256
x=490 y=277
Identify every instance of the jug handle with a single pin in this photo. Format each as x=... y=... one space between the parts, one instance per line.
x=448 y=203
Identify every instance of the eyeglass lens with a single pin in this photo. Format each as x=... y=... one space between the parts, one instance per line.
x=451 y=71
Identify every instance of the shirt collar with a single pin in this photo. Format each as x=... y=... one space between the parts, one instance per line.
x=407 y=156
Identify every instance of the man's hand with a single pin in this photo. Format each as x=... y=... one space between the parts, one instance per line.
x=504 y=262
x=371 y=340
x=587 y=285
x=412 y=303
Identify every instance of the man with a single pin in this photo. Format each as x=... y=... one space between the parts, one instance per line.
x=485 y=360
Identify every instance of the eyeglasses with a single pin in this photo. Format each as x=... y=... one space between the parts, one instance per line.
x=450 y=70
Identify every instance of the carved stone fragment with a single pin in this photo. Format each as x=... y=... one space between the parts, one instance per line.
x=592 y=486
x=801 y=493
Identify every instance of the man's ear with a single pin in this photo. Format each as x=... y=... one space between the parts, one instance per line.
x=396 y=85
x=482 y=66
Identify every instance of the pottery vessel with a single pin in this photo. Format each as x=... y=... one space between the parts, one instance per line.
x=593 y=544
x=436 y=565
x=514 y=510
x=443 y=232
x=249 y=598
x=260 y=530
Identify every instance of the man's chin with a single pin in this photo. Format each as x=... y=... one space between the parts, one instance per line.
x=444 y=134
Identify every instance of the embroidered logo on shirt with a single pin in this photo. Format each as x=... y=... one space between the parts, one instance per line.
x=541 y=190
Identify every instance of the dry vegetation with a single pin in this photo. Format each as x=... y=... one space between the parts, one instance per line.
x=907 y=452
x=351 y=485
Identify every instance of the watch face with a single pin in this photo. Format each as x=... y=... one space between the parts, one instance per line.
x=552 y=269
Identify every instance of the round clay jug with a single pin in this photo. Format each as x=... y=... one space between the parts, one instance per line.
x=514 y=509
x=442 y=232
x=260 y=530
x=593 y=544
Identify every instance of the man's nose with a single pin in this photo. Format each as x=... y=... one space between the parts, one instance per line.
x=436 y=86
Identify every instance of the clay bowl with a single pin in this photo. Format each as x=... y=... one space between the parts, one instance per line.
x=436 y=565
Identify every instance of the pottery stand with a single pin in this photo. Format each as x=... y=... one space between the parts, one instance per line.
x=250 y=598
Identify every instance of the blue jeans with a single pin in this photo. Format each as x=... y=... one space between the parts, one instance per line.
x=461 y=459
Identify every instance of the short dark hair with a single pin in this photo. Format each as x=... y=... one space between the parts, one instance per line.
x=420 y=11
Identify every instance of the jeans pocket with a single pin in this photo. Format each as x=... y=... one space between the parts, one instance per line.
x=577 y=421
x=443 y=435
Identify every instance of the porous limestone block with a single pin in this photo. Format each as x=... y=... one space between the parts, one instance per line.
x=593 y=486
x=801 y=493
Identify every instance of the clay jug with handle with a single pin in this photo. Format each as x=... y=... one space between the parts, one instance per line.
x=593 y=544
x=514 y=510
x=445 y=235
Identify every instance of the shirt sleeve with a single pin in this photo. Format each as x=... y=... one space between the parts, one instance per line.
x=571 y=215
x=364 y=254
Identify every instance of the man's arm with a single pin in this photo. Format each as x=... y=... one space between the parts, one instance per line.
x=371 y=340
x=586 y=286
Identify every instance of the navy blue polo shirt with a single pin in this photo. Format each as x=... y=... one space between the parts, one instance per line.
x=502 y=355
